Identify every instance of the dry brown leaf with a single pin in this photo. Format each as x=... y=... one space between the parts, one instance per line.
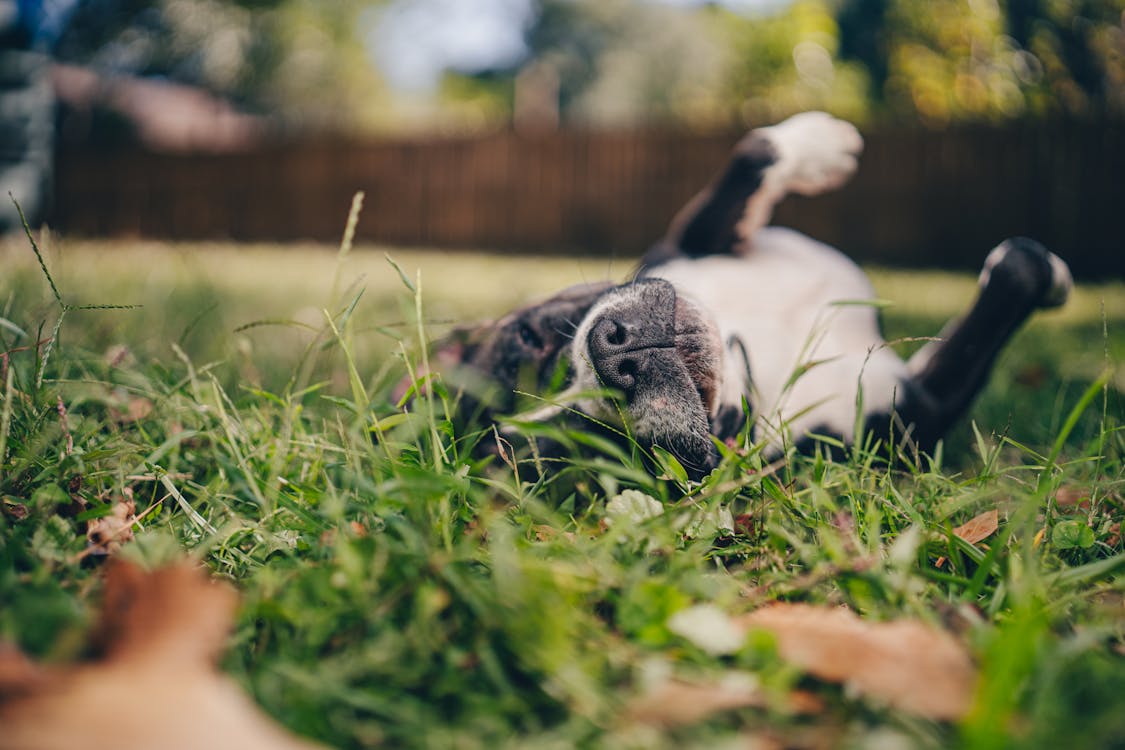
x=907 y=664
x=155 y=684
x=135 y=409
x=17 y=672
x=979 y=528
x=139 y=408
x=1068 y=496
x=13 y=509
x=676 y=703
x=105 y=535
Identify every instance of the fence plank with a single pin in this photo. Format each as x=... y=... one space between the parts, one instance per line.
x=921 y=198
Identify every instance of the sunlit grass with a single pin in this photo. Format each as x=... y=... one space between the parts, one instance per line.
x=403 y=591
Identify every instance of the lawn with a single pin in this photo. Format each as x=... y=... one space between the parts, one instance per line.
x=400 y=592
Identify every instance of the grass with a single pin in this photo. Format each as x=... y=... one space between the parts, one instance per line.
x=401 y=592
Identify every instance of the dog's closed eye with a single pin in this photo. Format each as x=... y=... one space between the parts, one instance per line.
x=529 y=337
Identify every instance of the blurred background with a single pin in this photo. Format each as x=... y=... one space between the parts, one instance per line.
x=561 y=126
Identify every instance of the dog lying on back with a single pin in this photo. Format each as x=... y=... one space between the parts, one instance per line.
x=728 y=321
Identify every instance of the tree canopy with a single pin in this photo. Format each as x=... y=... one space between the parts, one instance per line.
x=638 y=62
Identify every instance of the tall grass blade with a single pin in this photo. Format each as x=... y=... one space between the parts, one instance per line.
x=1076 y=413
x=401 y=274
x=197 y=519
x=6 y=415
x=1088 y=573
x=47 y=349
x=346 y=242
x=359 y=391
x=35 y=248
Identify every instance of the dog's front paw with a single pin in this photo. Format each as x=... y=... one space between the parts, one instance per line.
x=815 y=152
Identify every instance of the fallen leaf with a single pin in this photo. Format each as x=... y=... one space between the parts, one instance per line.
x=746 y=525
x=17 y=672
x=1114 y=534
x=154 y=684
x=131 y=409
x=676 y=703
x=544 y=533
x=1068 y=496
x=980 y=528
x=14 y=509
x=105 y=535
x=906 y=664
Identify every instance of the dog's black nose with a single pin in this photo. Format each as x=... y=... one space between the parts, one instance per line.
x=614 y=346
x=623 y=350
x=630 y=340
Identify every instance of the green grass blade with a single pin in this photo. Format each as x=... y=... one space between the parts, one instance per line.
x=1076 y=413
x=35 y=249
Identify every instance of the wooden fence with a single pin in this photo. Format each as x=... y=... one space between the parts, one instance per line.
x=921 y=198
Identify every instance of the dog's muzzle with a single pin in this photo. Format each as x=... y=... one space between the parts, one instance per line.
x=659 y=351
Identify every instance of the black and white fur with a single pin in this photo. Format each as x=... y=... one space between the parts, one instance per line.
x=725 y=311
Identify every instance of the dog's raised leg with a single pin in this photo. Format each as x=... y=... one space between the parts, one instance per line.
x=1018 y=277
x=808 y=154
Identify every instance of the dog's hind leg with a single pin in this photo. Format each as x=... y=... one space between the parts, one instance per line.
x=1018 y=277
x=809 y=153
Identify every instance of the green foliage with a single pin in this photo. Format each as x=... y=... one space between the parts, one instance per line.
x=789 y=62
x=401 y=590
x=299 y=60
x=635 y=62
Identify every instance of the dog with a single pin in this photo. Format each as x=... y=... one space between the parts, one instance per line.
x=732 y=325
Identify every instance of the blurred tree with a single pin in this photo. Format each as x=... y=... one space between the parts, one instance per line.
x=615 y=62
x=863 y=38
x=301 y=60
x=936 y=60
x=1080 y=47
x=633 y=62
x=789 y=62
x=945 y=60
